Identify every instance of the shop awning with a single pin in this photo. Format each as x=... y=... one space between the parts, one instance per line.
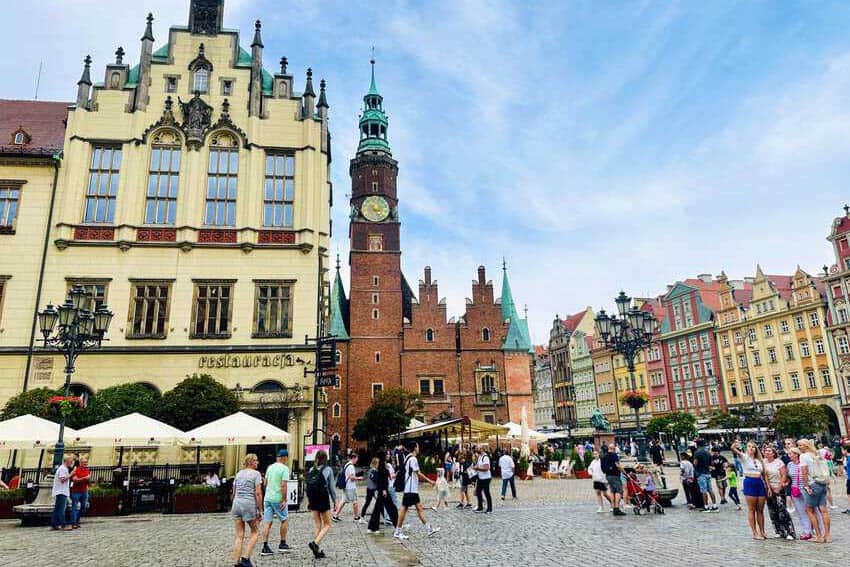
x=30 y=432
x=472 y=429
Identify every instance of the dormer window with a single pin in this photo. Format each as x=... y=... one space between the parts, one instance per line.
x=201 y=69
x=19 y=139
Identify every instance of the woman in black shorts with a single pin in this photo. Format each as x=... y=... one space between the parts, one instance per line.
x=465 y=481
x=599 y=482
x=320 y=493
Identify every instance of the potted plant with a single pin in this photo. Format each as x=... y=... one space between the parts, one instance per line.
x=429 y=468
x=522 y=468
x=588 y=458
x=103 y=501
x=65 y=405
x=635 y=399
x=195 y=498
x=8 y=500
x=578 y=465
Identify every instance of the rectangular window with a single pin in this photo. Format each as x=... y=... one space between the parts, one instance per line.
x=724 y=340
x=777 y=383
x=819 y=348
x=171 y=84
x=756 y=358
x=748 y=387
x=795 y=381
x=768 y=330
x=3 y=280
x=679 y=400
x=163 y=179
x=843 y=345
x=96 y=290
x=789 y=352
x=729 y=364
x=733 y=389
x=675 y=374
x=692 y=343
x=700 y=398
x=377 y=389
x=825 y=378
x=212 y=309
x=438 y=387
x=709 y=368
x=279 y=193
x=149 y=308
x=103 y=184
x=771 y=355
x=814 y=319
x=227 y=87
x=671 y=348
x=810 y=378
x=712 y=396
x=273 y=308
x=686 y=372
x=697 y=370
x=799 y=323
x=742 y=361
x=221 y=187
x=783 y=326
x=704 y=342
x=737 y=337
x=425 y=387
x=377 y=357
x=489 y=418
x=751 y=335
x=842 y=315
x=690 y=398
x=9 y=197
x=804 y=349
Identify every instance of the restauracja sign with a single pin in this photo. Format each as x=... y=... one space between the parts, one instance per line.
x=246 y=361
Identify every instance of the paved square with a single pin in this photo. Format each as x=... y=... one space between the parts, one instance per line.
x=553 y=522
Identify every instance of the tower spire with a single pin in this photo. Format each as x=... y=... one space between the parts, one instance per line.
x=373 y=121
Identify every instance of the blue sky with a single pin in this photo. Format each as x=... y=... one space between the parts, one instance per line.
x=596 y=146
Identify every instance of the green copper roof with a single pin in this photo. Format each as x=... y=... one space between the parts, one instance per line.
x=508 y=306
x=515 y=340
x=338 y=308
x=133 y=76
x=373 y=88
x=373 y=121
x=244 y=59
x=526 y=335
x=518 y=337
x=161 y=53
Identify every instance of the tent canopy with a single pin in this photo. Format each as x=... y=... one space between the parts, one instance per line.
x=515 y=432
x=30 y=432
x=130 y=430
x=237 y=429
x=472 y=429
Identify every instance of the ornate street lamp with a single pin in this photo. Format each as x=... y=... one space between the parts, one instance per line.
x=80 y=329
x=628 y=335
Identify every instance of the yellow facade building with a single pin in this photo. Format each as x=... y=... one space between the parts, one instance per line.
x=193 y=198
x=772 y=342
x=623 y=382
x=603 y=376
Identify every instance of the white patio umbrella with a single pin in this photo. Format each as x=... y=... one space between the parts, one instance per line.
x=237 y=429
x=515 y=432
x=524 y=433
x=133 y=430
x=30 y=432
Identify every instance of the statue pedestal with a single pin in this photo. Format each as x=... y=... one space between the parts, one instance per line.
x=601 y=438
x=40 y=510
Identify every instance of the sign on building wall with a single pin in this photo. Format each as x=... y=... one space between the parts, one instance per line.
x=42 y=370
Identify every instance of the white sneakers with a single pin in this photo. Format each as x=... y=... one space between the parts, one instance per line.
x=432 y=530
x=399 y=535
x=600 y=510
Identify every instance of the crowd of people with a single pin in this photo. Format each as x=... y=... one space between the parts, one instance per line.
x=393 y=481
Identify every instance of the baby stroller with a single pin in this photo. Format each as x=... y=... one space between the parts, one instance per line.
x=642 y=495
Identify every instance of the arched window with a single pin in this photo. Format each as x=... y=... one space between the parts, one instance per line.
x=338 y=356
x=487 y=383
x=429 y=335
x=201 y=80
x=485 y=335
x=19 y=139
x=222 y=178
x=337 y=410
x=267 y=386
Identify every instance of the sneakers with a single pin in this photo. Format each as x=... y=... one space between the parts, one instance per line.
x=432 y=530
x=388 y=523
x=599 y=510
x=434 y=508
x=373 y=532
x=833 y=507
x=359 y=520
x=459 y=506
x=467 y=507
x=314 y=548
x=714 y=509
x=805 y=537
x=399 y=535
x=336 y=518
x=847 y=511
x=789 y=537
x=618 y=512
x=245 y=562
x=283 y=547
x=723 y=501
x=266 y=551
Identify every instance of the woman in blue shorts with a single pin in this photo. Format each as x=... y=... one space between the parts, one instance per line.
x=754 y=486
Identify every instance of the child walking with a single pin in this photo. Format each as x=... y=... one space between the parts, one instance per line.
x=442 y=488
x=732 y=482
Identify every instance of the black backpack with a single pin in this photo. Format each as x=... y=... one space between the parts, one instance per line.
x=317 y=488
x=401 y=476
x=341 y=481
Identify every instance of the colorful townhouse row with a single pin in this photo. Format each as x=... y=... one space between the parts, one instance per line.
x=766 y=340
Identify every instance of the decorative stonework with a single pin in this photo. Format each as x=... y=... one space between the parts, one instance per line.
x=276 y=237
x=94 y=233
x=197 y=116
x=217 y=236
x=156 y=235
x=165 y=129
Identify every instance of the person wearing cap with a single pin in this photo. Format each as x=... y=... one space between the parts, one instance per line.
x=275 y=502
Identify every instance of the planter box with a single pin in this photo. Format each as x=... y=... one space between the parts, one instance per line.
x=195 y=503
x=581 y=474
x=103 y=506
x=524 y=476
x=7 y=508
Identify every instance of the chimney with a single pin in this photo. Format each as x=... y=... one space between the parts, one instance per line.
x=427 y=275
x=482 y=279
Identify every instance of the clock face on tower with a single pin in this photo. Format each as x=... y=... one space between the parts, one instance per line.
x=375 y=208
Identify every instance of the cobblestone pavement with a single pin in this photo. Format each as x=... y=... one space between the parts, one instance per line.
x=553 y=522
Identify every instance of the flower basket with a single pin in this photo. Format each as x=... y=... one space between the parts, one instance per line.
x=195 y=499
x=65 y=405
x=8 y=500
x=635 y=399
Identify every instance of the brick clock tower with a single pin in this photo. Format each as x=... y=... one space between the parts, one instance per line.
x=376 y=302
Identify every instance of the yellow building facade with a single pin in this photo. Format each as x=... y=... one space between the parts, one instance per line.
x=623 y=382
x=603 y=376
x=193 y=199
x=772 y=342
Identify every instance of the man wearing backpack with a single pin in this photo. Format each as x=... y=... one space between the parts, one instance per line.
x=410 y=476
x=347 y=481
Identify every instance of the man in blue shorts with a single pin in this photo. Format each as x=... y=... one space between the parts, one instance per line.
x=275 y=502
x=702 y=470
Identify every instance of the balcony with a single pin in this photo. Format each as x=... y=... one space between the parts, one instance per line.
x=486 y=399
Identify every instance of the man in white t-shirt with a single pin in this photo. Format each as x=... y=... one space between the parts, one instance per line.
x=411 y=493
x=506 y=466
x=351 y=479
x=482 y=486
x=61 y=492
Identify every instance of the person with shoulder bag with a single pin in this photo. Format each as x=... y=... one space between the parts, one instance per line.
x=815 y=482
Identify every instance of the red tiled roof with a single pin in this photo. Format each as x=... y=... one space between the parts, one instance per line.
x=539 y=350
x=43 y=122
x=743 y=296
x=782 y=285
x=709 y=292
x=572 y=322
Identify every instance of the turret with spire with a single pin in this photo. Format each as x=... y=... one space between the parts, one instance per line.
x=309 y=95
x=373 y=121
x=518 y=338
x=256 y=89
x=338 y=307
x=142 y=98
x=322 y=107
x=84 y=84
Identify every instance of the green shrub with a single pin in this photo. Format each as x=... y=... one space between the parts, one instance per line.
x=17 y=494
x=429 y=466
x=588 y=458
x=578 y=464
x=195 y=490
x=103 y=492
x=522 y=466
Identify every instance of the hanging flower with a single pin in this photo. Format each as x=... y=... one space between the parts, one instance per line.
x=635 y=399
x=65 y=405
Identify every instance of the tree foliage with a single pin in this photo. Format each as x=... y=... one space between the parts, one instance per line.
x=800 y=420
x=30 y=402
x=678 y=424
x=118 y=401
x=197 y=400
x=723 y=420
x=390 y=413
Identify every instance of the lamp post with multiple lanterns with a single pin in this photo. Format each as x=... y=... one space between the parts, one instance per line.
x=74 y=327
x=628 y=335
